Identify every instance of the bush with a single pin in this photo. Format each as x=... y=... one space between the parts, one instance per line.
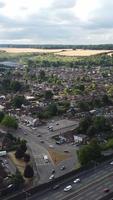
x=9 y=122
x=28 y=172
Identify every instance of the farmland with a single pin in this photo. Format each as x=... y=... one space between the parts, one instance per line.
x=81 y=52
x=29 y=50
x=60 y=52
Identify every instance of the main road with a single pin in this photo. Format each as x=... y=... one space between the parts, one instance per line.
x=40 y=149
x=91 y=187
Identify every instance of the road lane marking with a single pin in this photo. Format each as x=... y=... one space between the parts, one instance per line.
x=83 y=188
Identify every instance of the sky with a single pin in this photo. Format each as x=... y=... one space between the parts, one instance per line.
x=56 y=21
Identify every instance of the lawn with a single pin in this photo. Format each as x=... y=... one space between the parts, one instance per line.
x=20 y=164
x=58 y=156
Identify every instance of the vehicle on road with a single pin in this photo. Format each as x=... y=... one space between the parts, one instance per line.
x=111 y=163
x=41 y=141
x=51 y=146
x=53 y=171
x=9 y=186
x=51 y=177
x=106 y=190
x=56 y=187
x=38 y=135
x=33 y=128
x=69 y=187
x=46 y=158
x=58 y=142
x=63 y=167
x=50 y=128
x=77 y=180
x=66 y=151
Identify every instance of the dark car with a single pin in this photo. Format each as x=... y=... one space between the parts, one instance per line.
x=41 y=141
x=63 y=167
x=53 y=171
x=56 y=187
x=106 y=190
x=66 y=151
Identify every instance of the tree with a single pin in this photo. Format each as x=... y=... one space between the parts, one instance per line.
x=16 y=86
x=18 y=101
x=19 y=153
x=84 y=125
x=84 y=106
x=48 y=94
x=52 y=108
x=1 y=115
x=89 y=153
x=26 y=157
x=100 y=123
x=17 y=179
x=23 y=147
x=28 y=172
x=42 y=75
x=9 y=122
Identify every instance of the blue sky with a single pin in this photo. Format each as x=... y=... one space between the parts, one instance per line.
x=56 y=21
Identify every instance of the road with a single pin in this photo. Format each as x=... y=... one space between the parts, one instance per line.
x=40 y=149
x=90 y=188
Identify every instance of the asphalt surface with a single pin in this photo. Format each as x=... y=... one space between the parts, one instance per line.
x=91 y=187
x=40 y=149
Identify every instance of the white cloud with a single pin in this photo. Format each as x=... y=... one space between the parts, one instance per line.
x=23 y=8
x=56 y=21
x=84 y=9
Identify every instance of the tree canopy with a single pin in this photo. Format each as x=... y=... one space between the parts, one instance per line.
x=9 y=122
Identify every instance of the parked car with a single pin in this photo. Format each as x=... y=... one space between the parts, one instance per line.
x=69 y=187
x=41 y=141
x=51 y=177
x=38 y=135
x=63 y=167
x=77 y=180
x=53 y=171
x=111 y=163
x=51 y=146
x=66 y=151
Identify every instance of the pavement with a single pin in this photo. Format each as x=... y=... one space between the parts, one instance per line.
x=91 y=187
x=40 y=149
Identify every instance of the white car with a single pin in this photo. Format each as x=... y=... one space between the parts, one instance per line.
x=51 y=177
x=77 y=180
x=111 y=163
x=51 y=146
x=69 y=187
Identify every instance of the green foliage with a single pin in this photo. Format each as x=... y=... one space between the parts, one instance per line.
x=28 y=172
x=16 y=86
x=18 y=101
x=26 y=157
x=89 y=153
x=1 y=116
x=19 y=153
x=52 y=109
x=9 y=122
x=17 y=179
x=42 y=75
x=92 y=126
x=48 y=94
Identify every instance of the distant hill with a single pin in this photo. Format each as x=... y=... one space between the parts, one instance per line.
x=59 y=46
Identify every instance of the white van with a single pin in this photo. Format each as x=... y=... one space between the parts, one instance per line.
x=46 y=158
